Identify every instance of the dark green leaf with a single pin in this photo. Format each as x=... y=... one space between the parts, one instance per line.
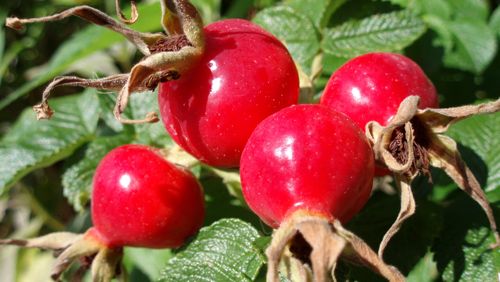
x=152 y=133
x=149 y=261
x=84 y=43
x=424 y=271
x=495 y=21
x=475 y=45
x=209 y=9
x=481 y=136
x=77 y=180
x=469 y=9
x=220 y=252
x=32 y=144
x=384 y=32
x=421 y=230
x=462 y=251
x=139 y=105
x=318 y=11
x=293 y=28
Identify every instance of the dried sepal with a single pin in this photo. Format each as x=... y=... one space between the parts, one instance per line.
x=70 y=247
x=139 y=39
x=406 y=210
x=134 y=14
x=413 y=141
x=167 y=57
x=114 y=82
x=444 y=154
x=357 y=250
x=325 y=243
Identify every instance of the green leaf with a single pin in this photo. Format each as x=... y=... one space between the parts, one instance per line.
x=149 y=261
x=470 y=9
x=295 y=30
x=209 y=9
x=318 y=11
x=139 y=105
x=462 y=250
x=425 y=270
x=222 y=251
x=475 y=46
x=421 y=230
x=481 y=136
x=495 y=21
x=32 y=144
x=77 y=180
x=84 y=43
x=384 y=32
x=439 y=8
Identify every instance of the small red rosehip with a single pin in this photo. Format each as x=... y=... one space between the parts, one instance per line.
x=138 y=199
x=371 y=87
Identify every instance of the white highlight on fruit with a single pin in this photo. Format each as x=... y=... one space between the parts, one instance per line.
x=216 y=84
x=285 y=151
x=125 y=181
x=356 y=94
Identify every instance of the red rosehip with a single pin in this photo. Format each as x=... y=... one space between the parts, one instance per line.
x=140 y=199
x=372 y=86
x=306 y=157
x=245 y=75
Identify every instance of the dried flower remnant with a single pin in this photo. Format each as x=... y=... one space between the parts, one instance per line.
x=166 y=55
x=413 y=141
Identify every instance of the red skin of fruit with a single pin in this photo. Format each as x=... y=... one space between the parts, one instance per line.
x=306 y=157
x=245 y=75
x=140 y=199
x=371 y=87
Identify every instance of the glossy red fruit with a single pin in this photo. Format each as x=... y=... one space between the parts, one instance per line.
x=306 y=157
x=371 y=87
x=140 y=199
x=245 y=75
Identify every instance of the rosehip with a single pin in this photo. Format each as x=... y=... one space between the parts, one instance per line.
x=389 y=96
x=303 y=169
x=138 y=199
x=371 y=87
x=244 y=75
x=306 y=157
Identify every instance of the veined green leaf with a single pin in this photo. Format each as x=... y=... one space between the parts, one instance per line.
x=475 y=46
x=139 y=105
x=462 y=250
x=470 y=9
x=385 y=32
x=481 y=135
x=295 y=30
x=32 y=144
x=495 y=21
x=77 y=180
x=318 y=11
x=222 y=251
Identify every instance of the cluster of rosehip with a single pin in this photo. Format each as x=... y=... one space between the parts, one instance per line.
x=228 y=95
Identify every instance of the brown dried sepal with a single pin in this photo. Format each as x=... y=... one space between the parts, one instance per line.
x=413 y=141
x=167 y=56
x=105 y=263
x=308 y=245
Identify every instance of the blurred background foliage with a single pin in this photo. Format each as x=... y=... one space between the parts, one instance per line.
x=46 y=169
